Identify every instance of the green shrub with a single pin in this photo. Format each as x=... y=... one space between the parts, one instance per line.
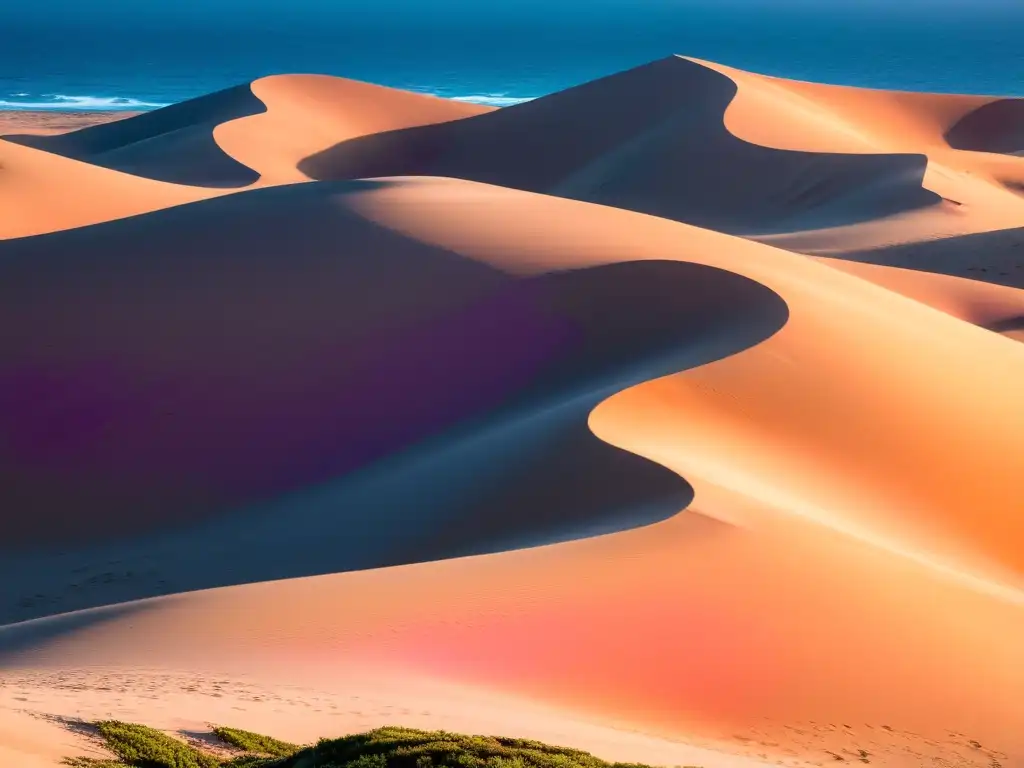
x=89 y=762
x=142 y=747
x=255 y=743
x=389 y=747
x=392 y=747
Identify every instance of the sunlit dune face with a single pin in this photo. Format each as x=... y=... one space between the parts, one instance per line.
x=686 y=401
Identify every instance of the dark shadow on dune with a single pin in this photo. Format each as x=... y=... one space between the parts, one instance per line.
x=997 y=127
x=992 y=257
x=652 y=140
x=1017 y=187
x=173 y=144
x=350 y=398
x=1007 y=325
x=21 y=642
x=273 y=314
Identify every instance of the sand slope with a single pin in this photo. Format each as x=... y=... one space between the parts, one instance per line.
x=720 y=148
x=663 y=150
x=992 y=306
x=172 y=144
x=253 y=132
x=993 y=127
x=309 y=113
x=206 y=372
x=42 y=192
x=547 y=405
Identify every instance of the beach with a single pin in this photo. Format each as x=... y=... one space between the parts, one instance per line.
x=49 y=122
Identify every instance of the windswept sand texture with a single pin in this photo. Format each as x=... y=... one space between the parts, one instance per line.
x=676 y=416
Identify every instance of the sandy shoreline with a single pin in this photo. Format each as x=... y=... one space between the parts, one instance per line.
x=51 y=121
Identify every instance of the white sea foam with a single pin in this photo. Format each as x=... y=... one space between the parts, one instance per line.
x=60 y=102
x=63 y=103
x=489 y=99
x=493 y=100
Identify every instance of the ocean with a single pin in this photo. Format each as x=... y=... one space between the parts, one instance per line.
x=124 y=54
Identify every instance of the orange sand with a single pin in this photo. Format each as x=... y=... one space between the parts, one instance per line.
x=847 y=582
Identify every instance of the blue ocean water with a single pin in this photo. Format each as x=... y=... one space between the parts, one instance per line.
x=124 y=54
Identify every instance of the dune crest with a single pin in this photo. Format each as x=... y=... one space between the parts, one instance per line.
x=309 y=113
x=257 y=132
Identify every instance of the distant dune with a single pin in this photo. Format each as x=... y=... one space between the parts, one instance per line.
x=676 y=416
x=255 y=132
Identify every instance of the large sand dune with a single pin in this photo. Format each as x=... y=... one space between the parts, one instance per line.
x=206 y=371
x=664 y=150
x=723 y=149
x=678 y=412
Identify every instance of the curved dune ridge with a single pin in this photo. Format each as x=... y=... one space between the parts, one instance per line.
x=251 y=133
x=634 y=157
x=217 y=372
x=684 y=402
x=174 y=144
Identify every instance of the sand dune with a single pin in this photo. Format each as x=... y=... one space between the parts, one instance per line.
x=548 y=406
x=173 y=144
x=861 y=499
x=251 y=134
x=664 y=150
x=832 y=168
x=995 y=257
x=993 y=127
x=42 y=192
x=978 y=190
x=995 y=307
x=690 y=629
x=312 y=309
x=258 y=131
x=856 y=169
x=306 y=114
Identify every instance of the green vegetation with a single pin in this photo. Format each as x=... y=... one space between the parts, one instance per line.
x=408 y=748
x=137 y=745
x=142 y=747
x=88 y=762
x=255 y=743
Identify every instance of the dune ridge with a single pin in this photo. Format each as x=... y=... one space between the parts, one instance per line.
x=683 y=402
x=173 y=144
x=633 y=159
x=257 y=132
x=560 y=358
